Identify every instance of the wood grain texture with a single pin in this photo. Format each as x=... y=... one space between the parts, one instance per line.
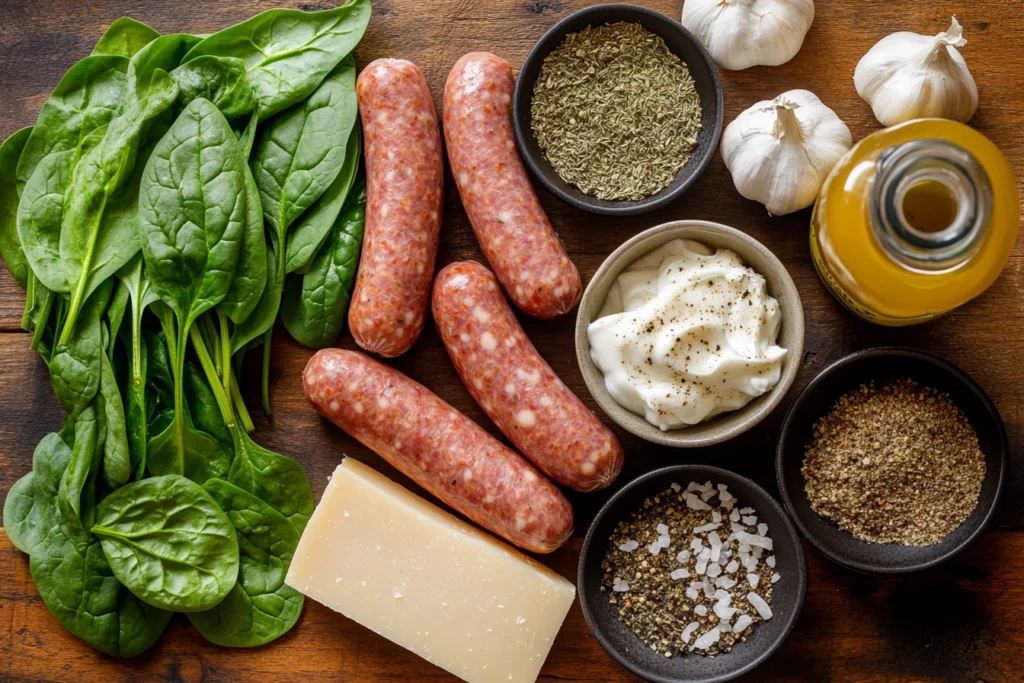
x=962 y=623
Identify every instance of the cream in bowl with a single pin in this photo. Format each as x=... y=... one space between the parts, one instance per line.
x=686 y=333
x=755 y=346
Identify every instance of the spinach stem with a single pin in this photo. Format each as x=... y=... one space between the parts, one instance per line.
x=225 y=353
x=30 y=303
x=179 y=392
x=211 y=376
x=240 y=409
x=44 y=314
x=265 y=383
x=137 y=378
x=78 y=296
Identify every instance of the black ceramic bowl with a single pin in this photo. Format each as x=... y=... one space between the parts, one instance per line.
x=682 y=43
x=630 y=651
x=818 y=398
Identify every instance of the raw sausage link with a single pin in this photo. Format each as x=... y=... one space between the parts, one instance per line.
x=515 y=386
x=404 y=186
x=512 y=228
x=439 y=448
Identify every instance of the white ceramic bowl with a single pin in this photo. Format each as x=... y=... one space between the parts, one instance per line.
x=756 y=256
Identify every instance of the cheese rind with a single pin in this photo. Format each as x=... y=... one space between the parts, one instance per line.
x=432 y=583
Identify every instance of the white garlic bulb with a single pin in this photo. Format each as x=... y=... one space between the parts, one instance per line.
x=909 y=76
x=745 y=33
x=780 y=151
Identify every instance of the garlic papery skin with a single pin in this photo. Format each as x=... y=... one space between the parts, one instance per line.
x=909 y=76
x=780 y=151
x=744 y=33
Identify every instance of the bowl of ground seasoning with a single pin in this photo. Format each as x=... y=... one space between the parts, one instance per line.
x=691 y=573
x=892 y=460
x=618 y=109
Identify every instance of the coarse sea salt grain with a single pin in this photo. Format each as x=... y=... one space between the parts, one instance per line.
x=771 y=561
x=714 y=570
x=706 y=528
x=724 y=582
x=619 y=586
x=750 y=520
x=742 y=622
x=680 y=573
x=701 y=610
x=734 y=516
x=692 y=593
x=707 y=640
x=692 y=486
x=716 y=516
x=664 y=540
x=676 y=487
x=695 y=503
x=760 y=605
x=752 y=579
x=762 y=529
x=683 y=556
x=629 y=546
x=696 y=545
x=746 y=511
x=776 y=577
x=708 y=495
x=688 y=631
x=753 y=540
x=662 y=529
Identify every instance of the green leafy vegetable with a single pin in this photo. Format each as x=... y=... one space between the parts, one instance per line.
x=289 y=52
x=260 y=607
x=315 y=306
x=75 y=367
x=222 y=80
x=28 y=510
x=169 y=543
x=125 y=37
x=10 y=243
x=312 y=228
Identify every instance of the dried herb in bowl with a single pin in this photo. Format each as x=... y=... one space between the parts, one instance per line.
x=615 y=112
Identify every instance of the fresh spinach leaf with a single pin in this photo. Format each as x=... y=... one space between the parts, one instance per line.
x=260 y=607
x=10 y=243
x=28 y=510
x=125 y=37
x=250 y=277
x=192 y=211
x=312 y=228
x=117 y=465
x=78 y=587
x=300 y=152
x=89 y=95
x=315 y=305
x=75 y=367
x=275 y=479
x=263 y=316
x=169 y=543
x=289 y=52
x=74 y=496
x=222 y=80
x=202 y=406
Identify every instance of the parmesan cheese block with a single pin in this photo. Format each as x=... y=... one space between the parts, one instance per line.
x=430 y=582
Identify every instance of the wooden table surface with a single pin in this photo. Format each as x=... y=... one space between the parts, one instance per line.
x=961 y=622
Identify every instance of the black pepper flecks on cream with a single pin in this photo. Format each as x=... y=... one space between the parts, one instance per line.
x=690 y=571
x=894 y=462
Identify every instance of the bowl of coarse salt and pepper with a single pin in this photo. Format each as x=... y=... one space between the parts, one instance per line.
x=687 y=563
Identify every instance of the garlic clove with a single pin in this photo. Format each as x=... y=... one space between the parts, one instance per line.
x=909 y=76
x=780 y=151
x=743 y=33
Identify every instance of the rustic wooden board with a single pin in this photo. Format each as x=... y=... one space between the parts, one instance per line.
x=959 y=623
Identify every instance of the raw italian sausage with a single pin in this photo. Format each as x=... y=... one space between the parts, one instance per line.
x=439 y=448
x=512 y=228
x=515 y=386
x=404 y=186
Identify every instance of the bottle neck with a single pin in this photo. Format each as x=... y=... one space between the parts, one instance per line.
x=930 y=204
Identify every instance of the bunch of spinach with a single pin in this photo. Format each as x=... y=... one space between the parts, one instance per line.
x=172 y=190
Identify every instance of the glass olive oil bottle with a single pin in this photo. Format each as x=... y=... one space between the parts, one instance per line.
x=914 y=221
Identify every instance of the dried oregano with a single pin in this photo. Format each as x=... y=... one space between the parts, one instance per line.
x=615 y=111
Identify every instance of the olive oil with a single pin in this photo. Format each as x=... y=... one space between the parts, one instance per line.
x=915 y=221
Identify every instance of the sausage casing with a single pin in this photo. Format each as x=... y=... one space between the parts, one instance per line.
x=439 y=448
x=515 y=386
x=510 y=224
x=404 y=188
